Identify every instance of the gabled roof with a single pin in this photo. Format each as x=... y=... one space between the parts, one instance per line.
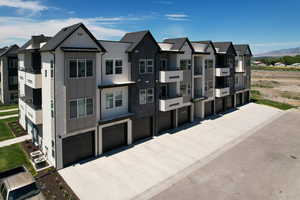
x=241 y=49
x=206 y=43
x=223 y=47
x=135 y=38
x=12 y=49
x=34 y=39
x=178 y=43
x=64 y=34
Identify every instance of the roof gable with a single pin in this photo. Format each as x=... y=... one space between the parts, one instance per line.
x=64 y=34
x=208 y=43
x=243 y=49
x=135 y=39
x=224 y=47
x=12 y=50
x=178 y=43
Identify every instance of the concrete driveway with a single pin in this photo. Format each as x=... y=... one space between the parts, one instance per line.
x=148 y=168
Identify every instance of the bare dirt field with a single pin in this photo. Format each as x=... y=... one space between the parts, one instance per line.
x=278 y=85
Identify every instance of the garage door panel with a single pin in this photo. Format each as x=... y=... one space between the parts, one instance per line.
x=78 y=148
x=142 y=128
x=219 y=105
x=165 y=121
x=208 y=108
x=114 y=137
x=183 y=115
x=229 y=102
x=246 y=97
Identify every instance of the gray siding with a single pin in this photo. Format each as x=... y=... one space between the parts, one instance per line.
x=79 y=88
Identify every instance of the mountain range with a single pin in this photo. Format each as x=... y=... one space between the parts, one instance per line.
x=279 y=53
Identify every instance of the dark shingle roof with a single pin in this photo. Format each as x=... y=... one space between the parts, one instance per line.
x=178 y=43
x=135 y=38
x=63 y=34
x=222 y=46
x=207 y=42
x=11 y=50
x=241 y=49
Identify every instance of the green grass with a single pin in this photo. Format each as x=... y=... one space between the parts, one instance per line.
x=272 y=68
x=256 y=97
x=13 y=156
x=7 y=107
x=8 y=113
x=5 y=132
x=265 y=84
x=290 y=95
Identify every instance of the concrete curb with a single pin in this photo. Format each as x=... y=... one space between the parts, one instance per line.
x=160 y=187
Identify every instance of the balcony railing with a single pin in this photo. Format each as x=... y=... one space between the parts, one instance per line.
x=35 y=70
x=221 y=92
x=170 y=76
x=35 y=115
x=222 y=72
x=170 y=103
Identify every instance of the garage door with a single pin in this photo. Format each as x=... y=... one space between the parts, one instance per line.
x=183 y=115
x=78 y=148
x=229 y=102
x=246 y=97
x=114 y=137
x=219 y=105
x=209 y=108
x=142 y=128
x=165 y=121
x=239 y=99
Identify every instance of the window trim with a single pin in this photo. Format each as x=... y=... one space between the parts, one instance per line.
x=145 y=92
x=114 y=60
x=85 y=67
x=77 y=113
x=146 y=66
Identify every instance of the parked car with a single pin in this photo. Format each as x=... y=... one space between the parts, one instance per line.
x=18 y=184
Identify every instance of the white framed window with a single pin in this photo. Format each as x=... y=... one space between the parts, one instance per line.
x=80 y=108
x=146 y=66
x=183 y=89
x=150 y=95
x=163 y=64
x=109 y=101
x=118 y=66
x=143 y=96
x=109 y=67
x=185 y=64
x=119 y=98
x=80 y=68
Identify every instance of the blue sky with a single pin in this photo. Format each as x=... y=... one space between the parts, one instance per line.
x=266 y=25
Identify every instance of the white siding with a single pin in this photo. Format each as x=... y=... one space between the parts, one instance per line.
x=115 y=111
x=79 y=39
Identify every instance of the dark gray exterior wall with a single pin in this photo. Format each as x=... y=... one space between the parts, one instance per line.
x=147 y=49
x=77 y=88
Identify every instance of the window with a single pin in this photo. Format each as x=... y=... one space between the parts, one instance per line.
x=52 y=68
x=183 y=89
x=73 y=109
x=52 y=108
x=80 y=68
x=119 y=99
x=81 y=108
x=150 y=66
x=89 y=106
x=163 y=64
x=150 y=95
x=109 y=101
x=209 y=64
x=143 y=99
x=89 y=68
x=109 y=66
x=185 y=64
x=118 y=66
x=45 y=73
x=73 y=69
x=142 y=66
x=146 y=66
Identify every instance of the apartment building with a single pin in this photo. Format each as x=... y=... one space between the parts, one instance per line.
x=225 y=74
x=9 y=75
x=175 y=84
x=88 y=97
x=30 y=88
x=242 y=74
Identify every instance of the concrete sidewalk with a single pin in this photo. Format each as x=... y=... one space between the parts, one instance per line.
x=9 y=116
x=139 y=172
x=14 y=140
x=9 y=110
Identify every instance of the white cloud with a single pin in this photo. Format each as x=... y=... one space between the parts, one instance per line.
x=18 y=29
x=177 y=17
x=34 y=6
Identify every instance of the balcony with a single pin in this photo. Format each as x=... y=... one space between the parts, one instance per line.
x=34 y=113
x=220 y=72
x=222 y=92
x=239 y=67
x=33 y=80
x=170 y=103
x=170 y=76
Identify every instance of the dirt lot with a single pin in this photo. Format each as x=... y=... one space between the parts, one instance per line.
x=278 y=86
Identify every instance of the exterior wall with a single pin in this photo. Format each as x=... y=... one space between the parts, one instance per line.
x=114 y=112
x=115 y=50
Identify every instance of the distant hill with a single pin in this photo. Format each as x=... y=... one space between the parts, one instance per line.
x=282 y=52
